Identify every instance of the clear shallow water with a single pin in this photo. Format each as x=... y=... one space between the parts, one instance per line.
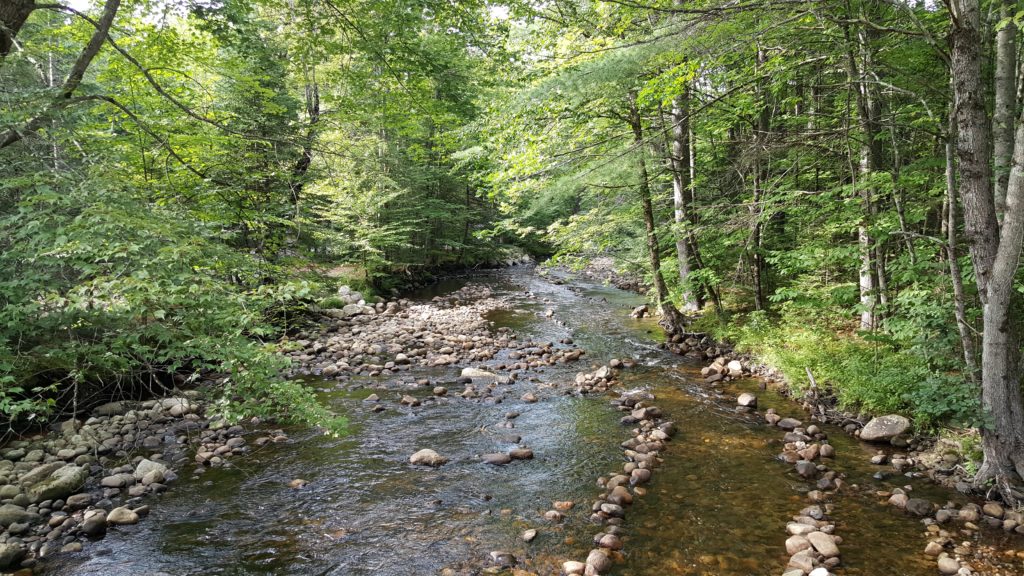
x=718 y=506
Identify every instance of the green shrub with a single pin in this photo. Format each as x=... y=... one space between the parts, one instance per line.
x=332 y=302
x=103 y=290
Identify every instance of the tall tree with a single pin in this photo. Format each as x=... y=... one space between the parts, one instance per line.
x=995 y=252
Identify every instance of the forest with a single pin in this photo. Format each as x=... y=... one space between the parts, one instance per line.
x=836 y=187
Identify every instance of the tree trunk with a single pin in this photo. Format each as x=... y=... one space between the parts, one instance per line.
x=301 y=168
x=74 y=78
x=1005 y=99
x=681 y=182
x=869 y=116
x=671 y=319
x=995 y=254
x=760 y=177
x=955 y=275
x=13 y=14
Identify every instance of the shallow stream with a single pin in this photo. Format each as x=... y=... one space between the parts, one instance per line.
x=718 y=505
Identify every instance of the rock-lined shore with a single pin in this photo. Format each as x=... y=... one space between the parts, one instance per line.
x=59 y=491
x=951 y=530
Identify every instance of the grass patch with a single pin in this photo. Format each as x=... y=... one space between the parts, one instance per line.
x=869 y=374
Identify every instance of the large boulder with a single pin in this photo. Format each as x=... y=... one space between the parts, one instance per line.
x=884 y=428
x=58 y=485
x=40 y=473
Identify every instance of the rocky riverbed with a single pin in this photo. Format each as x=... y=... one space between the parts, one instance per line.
x=503 y=423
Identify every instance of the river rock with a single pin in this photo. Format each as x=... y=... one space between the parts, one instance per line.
x=79 y=501
x=992 y=509
x=59 y=485
x=111 y=409
x=94 y=523
x=798 y=529
x=747 y=399
x=427 y=457
x=823 y=543
x=827 y=451
x=122 y=515
x=968 y=514
x=947 y=565
x=477 y=373
x=10 y=554
x=529 y=535
x=796 y=544
x=117 y=480
x=610 y=541
x=613 y=510
x=918 y=506
x=521 y=454
x=503 y=559
x=529 y=398
x=40 y=473
x=933 y=548
x=639 y=476
x=806 y=468
x=884 y=428
x=803 y=560
x=146 y=466
x=899 y=500
x=621 y=496
x=573 y=568
x=598 y=560
x=11 y=514
x=178 y=406
x=496 y=458
x=789 y=423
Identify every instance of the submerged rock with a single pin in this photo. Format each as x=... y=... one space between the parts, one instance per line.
x=497 y=458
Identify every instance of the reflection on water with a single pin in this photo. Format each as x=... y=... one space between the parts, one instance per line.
x=718 y=506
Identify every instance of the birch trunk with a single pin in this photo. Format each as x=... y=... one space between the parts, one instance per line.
x=671 y=319
x=1005 y=100
x=681 y=183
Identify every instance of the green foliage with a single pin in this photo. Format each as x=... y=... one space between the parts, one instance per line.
x=867 y=374
x=102 y=296
x=178 y=223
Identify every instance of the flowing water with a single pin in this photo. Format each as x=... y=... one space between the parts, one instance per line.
x=718 y=505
